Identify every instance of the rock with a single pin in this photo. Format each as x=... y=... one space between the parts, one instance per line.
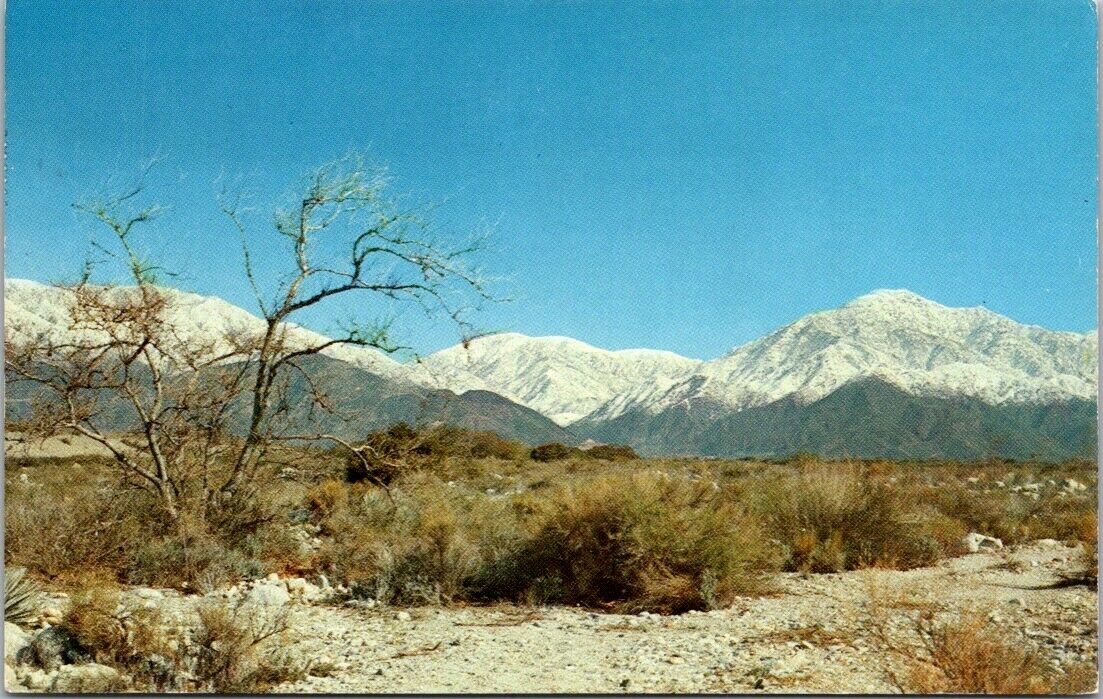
x=51 y=648
x=90 y=678
x=38 y=680
x=268 y=595
x=1032 y=487
x=11 y=682
x=403 y=616
x=51 y=615
x=1073 y=486
x=15 y=640
x=148 y=593
x=295 y=585
x=272 y=577
x=361 y=603
x=975 y=542
x=1048 y=543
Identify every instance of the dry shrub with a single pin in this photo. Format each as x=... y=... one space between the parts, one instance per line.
x=67 y=523
x=417 y=550
x=834 y=517
x=969 y=657
x=127 y=636
x=326 y=498
x=636 y=542
x=612 y=452
x=551 y=452
x=190 y=560
x=242 y=650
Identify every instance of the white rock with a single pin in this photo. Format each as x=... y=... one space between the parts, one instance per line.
x=148 y=593
x=15 y=639
x=38 y=680
x=403 y=616
x=268 y=595
x=89 y=678
x=974 y=542
x=1073 y=486
x=295 y=585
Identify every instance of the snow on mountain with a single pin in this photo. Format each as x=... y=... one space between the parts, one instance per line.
x=558 y=376
x=32 y=308
x=918 y=345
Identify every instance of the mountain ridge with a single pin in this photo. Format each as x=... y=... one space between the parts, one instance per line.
x=895 y=339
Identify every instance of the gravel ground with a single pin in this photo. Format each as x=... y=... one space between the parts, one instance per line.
x=817 y=634
x=842 y=633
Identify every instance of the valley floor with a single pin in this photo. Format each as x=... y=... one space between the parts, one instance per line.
x=824 y=634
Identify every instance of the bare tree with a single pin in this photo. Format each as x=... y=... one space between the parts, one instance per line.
x=122 y=355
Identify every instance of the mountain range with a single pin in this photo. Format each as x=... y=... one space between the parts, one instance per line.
x=888 y=375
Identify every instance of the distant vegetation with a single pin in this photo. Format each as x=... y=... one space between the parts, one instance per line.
x=449 y=515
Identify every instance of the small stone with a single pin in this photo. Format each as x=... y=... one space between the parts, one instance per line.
x=403 y=616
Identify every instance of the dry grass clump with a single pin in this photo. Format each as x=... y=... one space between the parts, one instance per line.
x=62 y=521
x=242 y=650
x=637 y=542
x=234 y=649
x=630 y=541
x=968 y=656
x=130 y=637
x=837 y=517
x=78 y=527
x=418 y=549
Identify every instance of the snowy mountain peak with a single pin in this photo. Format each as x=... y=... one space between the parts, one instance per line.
x=892 y=297
x=560 y=377
x=32 y=308
x=899 y=337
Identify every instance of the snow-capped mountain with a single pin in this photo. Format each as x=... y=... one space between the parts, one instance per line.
x=919 y=346
x=890 y=374
x=562 y=378
x=32 y=308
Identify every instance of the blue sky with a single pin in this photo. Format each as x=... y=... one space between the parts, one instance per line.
x=683 y=176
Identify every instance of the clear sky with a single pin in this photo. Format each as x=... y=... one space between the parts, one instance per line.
x=676 y=175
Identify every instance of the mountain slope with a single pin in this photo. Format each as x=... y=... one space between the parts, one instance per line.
x=923 y=348
x=867 y=418
x=562 y=378
x=31 y=308
x=369 y=390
